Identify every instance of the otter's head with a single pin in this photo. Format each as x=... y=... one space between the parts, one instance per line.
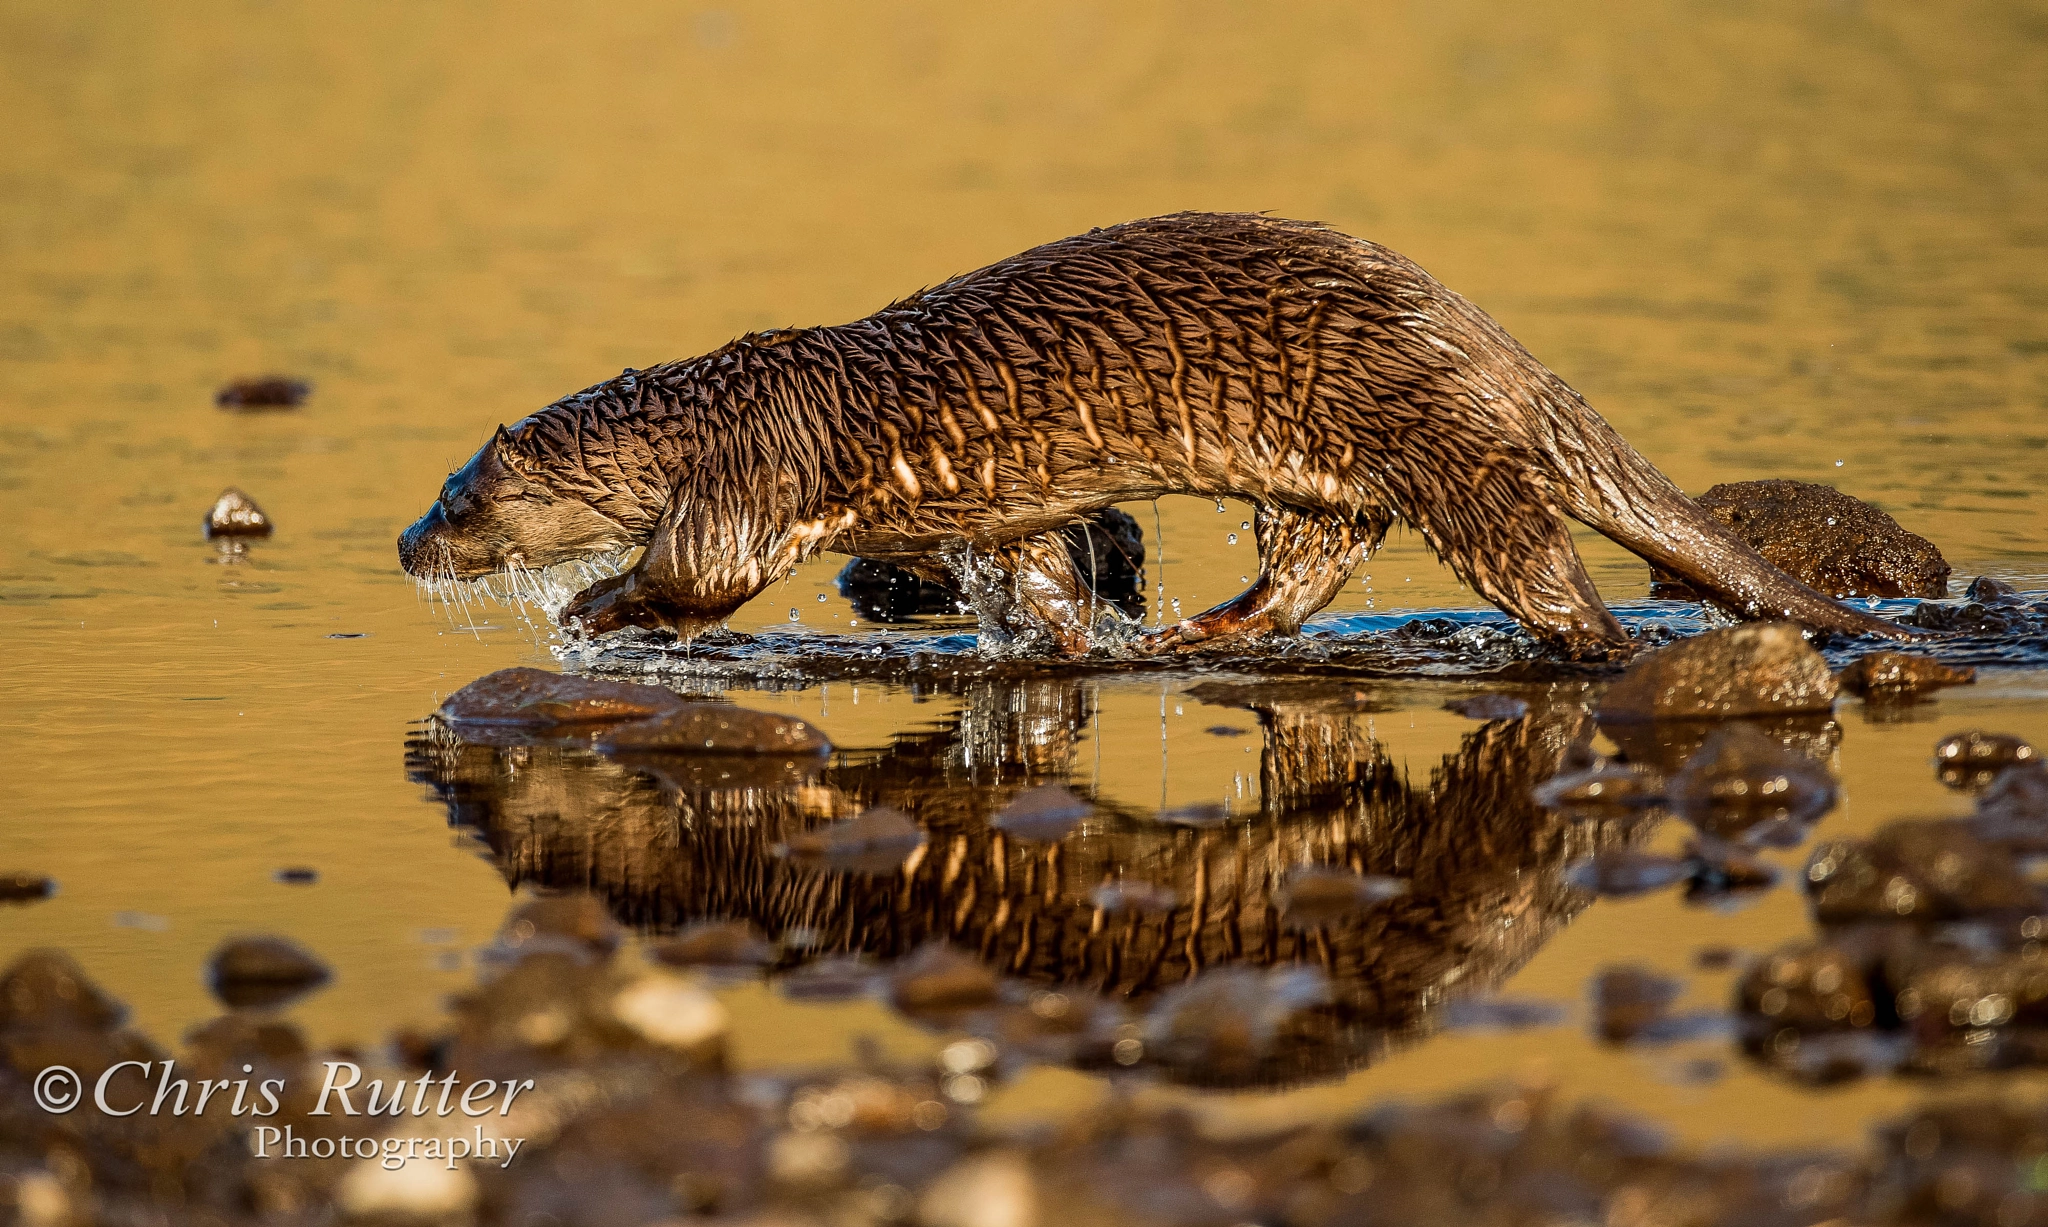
x=499 y=512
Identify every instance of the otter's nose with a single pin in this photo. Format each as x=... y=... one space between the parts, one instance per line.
x=413 y=540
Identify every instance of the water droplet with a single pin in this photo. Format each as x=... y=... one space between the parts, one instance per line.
x=1232 y=538
x=1176 y=607
x=793 y=616
x=821 y=598
x=1244 y=579
x=1838 y=464
x=1245 y=524
x=1220 y=509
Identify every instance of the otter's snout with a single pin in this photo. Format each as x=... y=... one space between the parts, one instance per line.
x=429 y=549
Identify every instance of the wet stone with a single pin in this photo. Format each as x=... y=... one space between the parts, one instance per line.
x=1310 y=897
x=716 y=943
x=1919 y=871
x=1808 y=988
x=258 y=972
x=263 y=392
x=1759 y=668
x=1988 y=607
x=1629 y=1001
x=939 y=980
x=21 y=887
x=1970 y=1009
x=1621 y=872
x=1900 y=675
x=1974 y=759
x=235 y=514
x=1489 y=707
x=717 y=728
x=1742 y=785
x=878 y=840
x=45 y=990
x=1047 y=812
x=1226 y=1023
x=577 y=924
x=1827 y=540
x=296 y=875
x=536 y=698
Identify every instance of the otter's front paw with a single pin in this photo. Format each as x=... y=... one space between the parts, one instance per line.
x=1182 y=636
x=609 y=604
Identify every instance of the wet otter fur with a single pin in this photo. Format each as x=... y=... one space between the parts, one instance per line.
x=1326 y=379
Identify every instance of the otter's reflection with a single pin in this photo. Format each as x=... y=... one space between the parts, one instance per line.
x=689 y=839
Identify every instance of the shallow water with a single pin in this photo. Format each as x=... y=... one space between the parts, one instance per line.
x=1798 y=241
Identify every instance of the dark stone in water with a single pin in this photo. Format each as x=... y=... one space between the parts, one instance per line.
x=536 y=698
x=1761 y=668
x=46 y=991
x=1974 y=759
x=1809 y=990
x=1717 y=870
x=1047 y=812
x=263 y=392
x=1825 y=539
x=717 y=728
x=716 y=943
x=255 y=972
x=1990 y=607
x=235 y=514
x=1621 y=872
x=1743 y=785
x=1628 y=1001
x=1489 y=707
x=297 y=875
x=2013 y=810
x=1897 y=675
x=883 y=592
x=26 y=887
x=878 y=840
x=1920 y=871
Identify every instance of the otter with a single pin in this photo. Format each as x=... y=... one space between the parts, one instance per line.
x=1326 y=379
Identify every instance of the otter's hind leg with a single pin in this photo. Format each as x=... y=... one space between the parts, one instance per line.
x=1030 y=589
x=1305 y=559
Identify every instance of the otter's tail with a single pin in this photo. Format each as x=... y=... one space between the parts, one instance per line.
x=1636 y=506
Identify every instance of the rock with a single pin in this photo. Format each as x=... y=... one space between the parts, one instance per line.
x=1974 y=759
x=717 y=728
x=1489 y=707
x=258 y=972
x=536 y=698
x=1621 y=872
x=1989 y=607
x=235 y=514
x=577 y=924
x=671 y=1012
x=1899 y=675
x=296 y=875
x=1046 y=813
x=879 y=840
x=1607 y=789
x=1988 y=591
x=1808 y=987
x=1825 y=539
x=263 y=392
x=45 y=990
x=1231 y=1019
x=1628 y=1001
x=1129 y=896
x=940 y=980
x=1921 y=871
x=716 y=943
x=1968 y=1009
x=1313 y=896
x=883 y=592
x=1743 y=785
x=1759 y=668
x=19 y=887
x=2013 y=810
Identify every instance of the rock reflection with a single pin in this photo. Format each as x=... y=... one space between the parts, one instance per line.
x=1112 y=910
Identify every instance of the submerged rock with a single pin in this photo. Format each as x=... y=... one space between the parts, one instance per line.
x=1974 y=759
x=256 y=972
x=1489 y=707
x=26 y=887
x=1314 y=896
x=263 y=392
x=1810 y=1011
x=878 y=840
x=1047 y=812
x=717 y=728
x=536 y=698
x=1744 y=786
x=1759 y=668
x=1922 y=871
x=1900 y=675
x=1109 y=546
x=235 y=514
x=1827 y=540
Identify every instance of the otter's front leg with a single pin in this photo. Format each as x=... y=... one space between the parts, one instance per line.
x=1305 y=559
x=1030 y=589
x=707 y=557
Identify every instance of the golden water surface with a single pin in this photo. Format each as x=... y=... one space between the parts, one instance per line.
x=1796 y=239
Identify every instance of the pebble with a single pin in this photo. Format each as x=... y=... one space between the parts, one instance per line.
x=1758 y=668
x=20 y=887
x=235 y=514
x=1621 y=872
x=1745 y=786
x=259 y=972
x=263 y=392
x=1628 y=1001
x=1900 y=675
x=1973 y=759
x=716 y=943
x=1917 y=870
x=536 y=698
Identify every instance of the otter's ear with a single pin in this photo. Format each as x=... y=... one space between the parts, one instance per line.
x=515 y=461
